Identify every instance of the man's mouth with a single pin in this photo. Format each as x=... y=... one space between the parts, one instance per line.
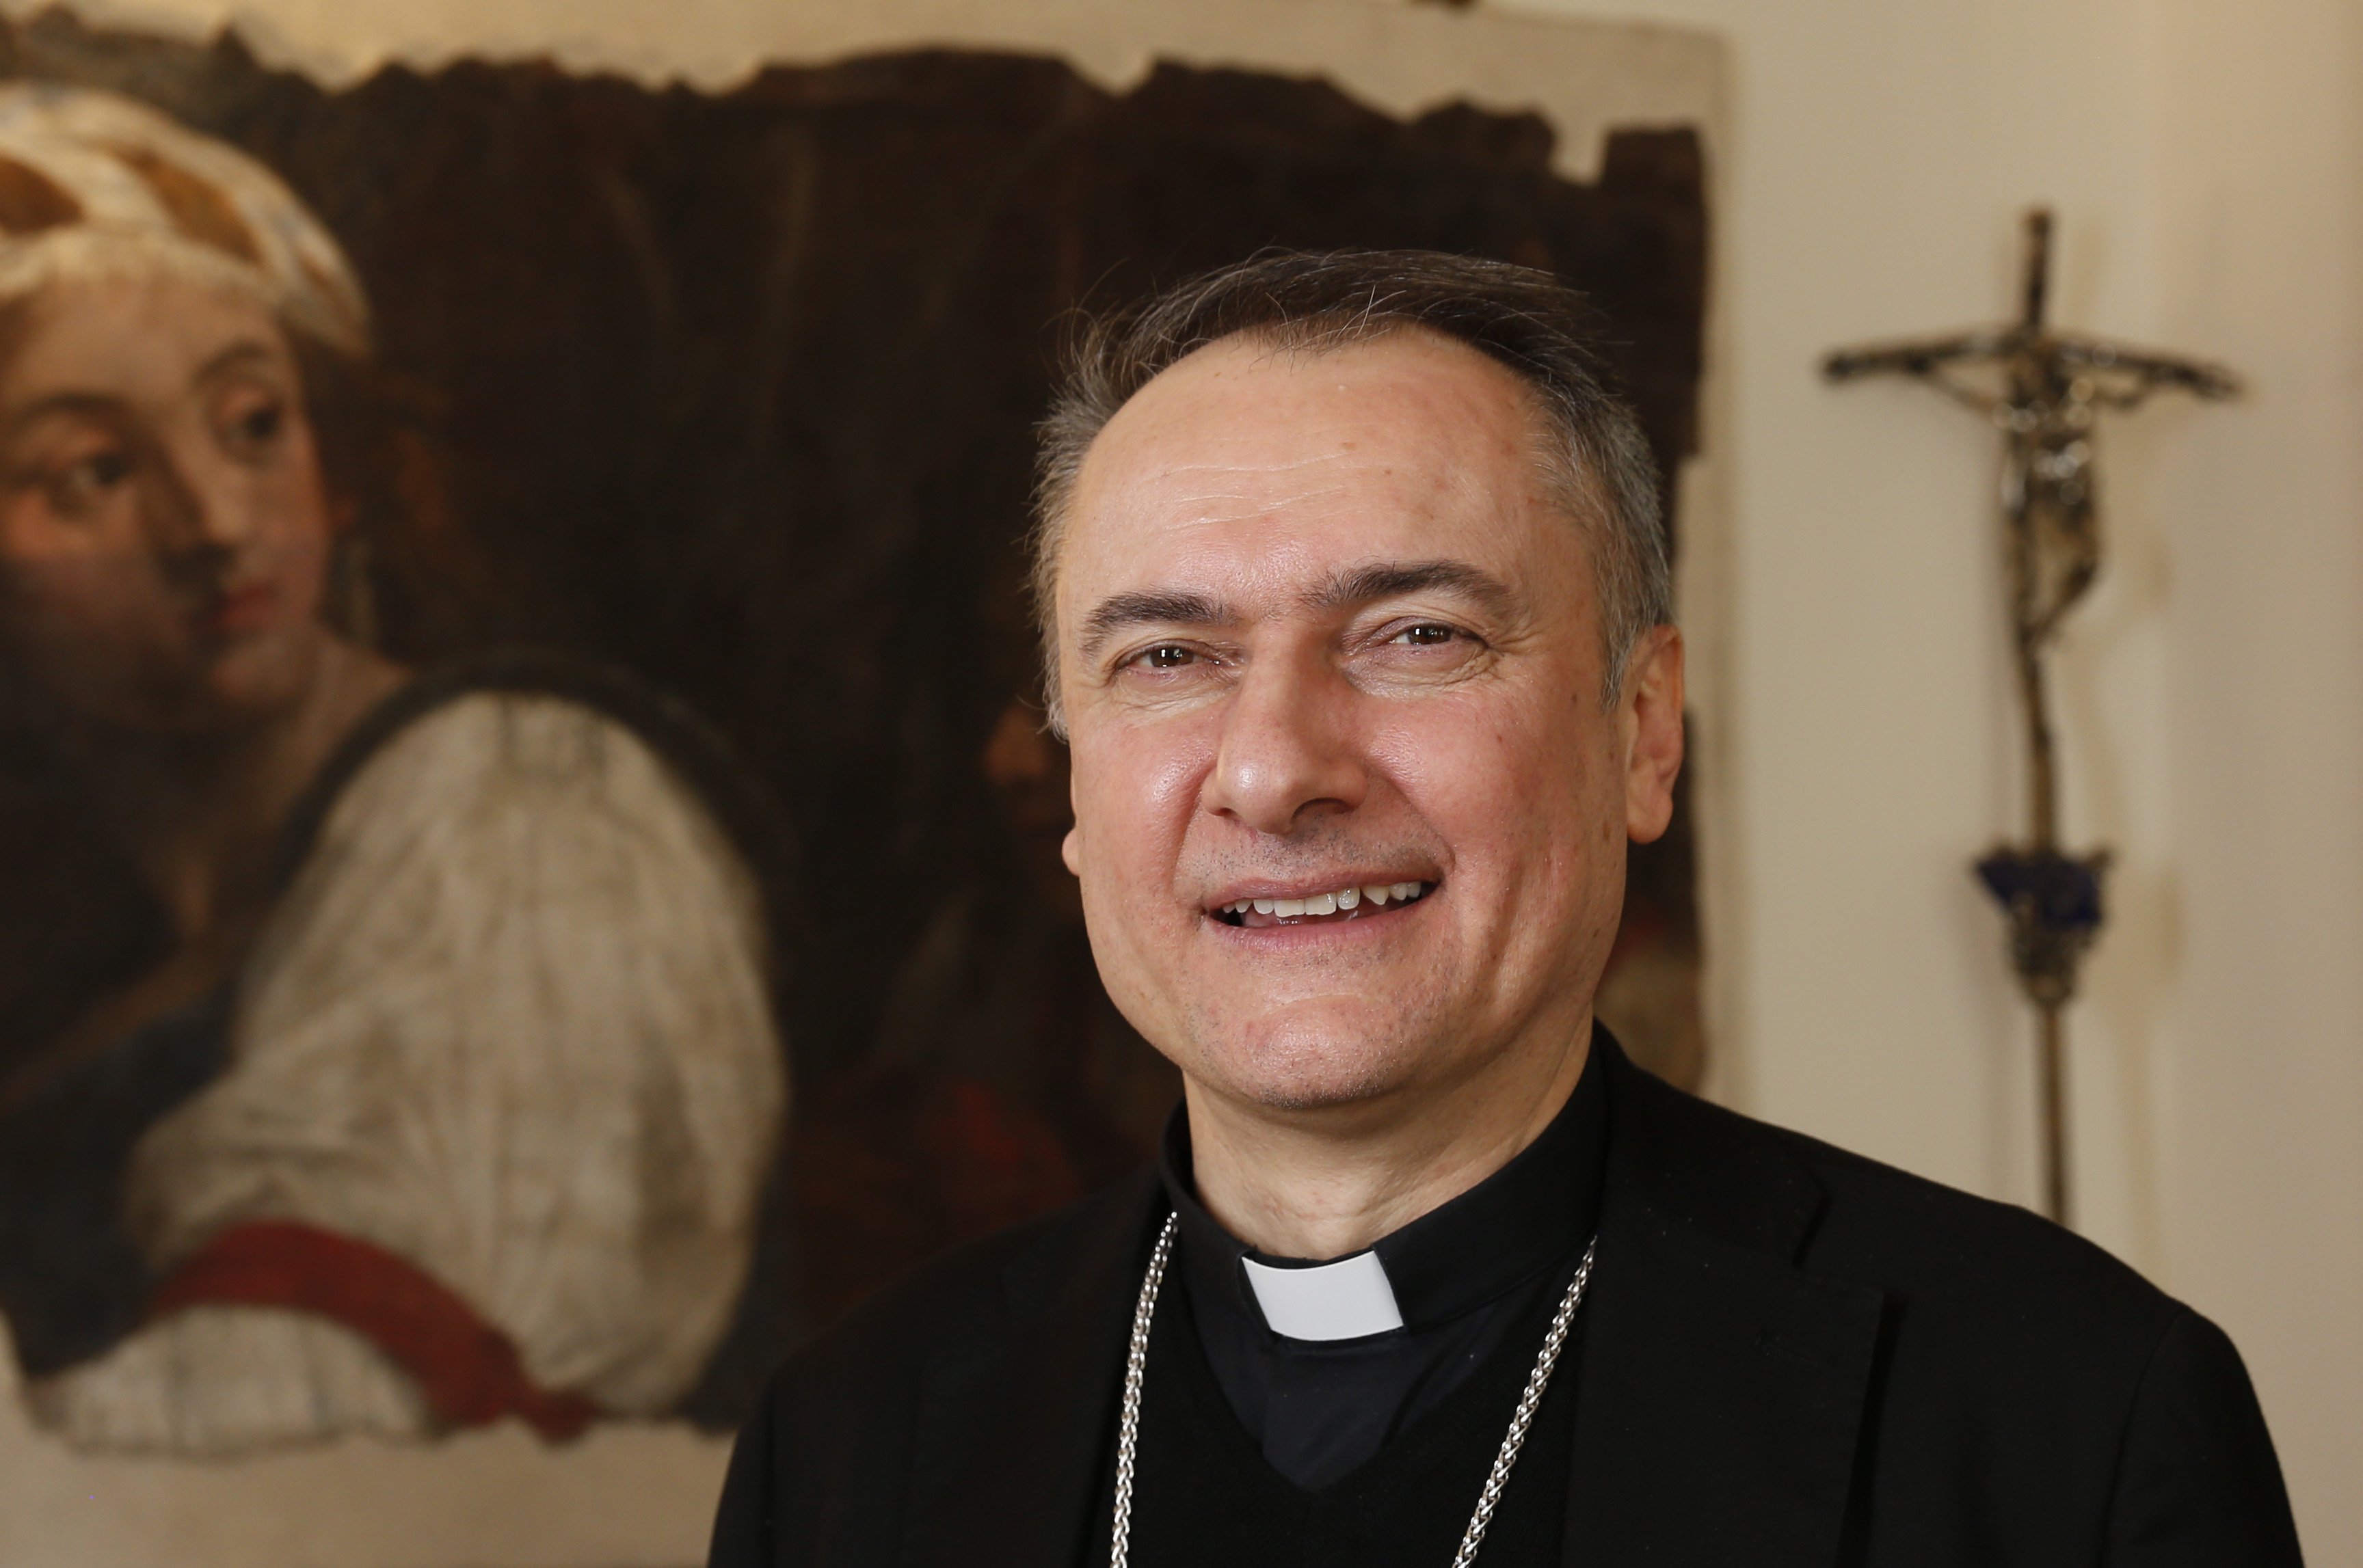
x=1357 y=902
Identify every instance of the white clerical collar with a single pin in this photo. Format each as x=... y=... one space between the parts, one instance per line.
x=1346 y=1299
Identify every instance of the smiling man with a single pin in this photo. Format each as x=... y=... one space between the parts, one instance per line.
x=1357 y=618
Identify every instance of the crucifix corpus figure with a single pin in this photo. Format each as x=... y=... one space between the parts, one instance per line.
x=2043 y=390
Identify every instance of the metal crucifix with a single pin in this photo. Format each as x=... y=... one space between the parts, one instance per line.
x=2043 y=390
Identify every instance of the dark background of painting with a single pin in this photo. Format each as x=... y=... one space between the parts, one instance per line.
x=736 y=392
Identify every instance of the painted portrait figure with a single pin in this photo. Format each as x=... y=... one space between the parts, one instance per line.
x=398 y=1033
x=440 y=1079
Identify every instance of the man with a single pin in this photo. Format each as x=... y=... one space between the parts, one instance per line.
x=1359 y=624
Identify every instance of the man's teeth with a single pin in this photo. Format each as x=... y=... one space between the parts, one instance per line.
x=1375 y=893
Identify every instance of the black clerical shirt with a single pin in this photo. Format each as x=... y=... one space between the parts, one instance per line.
x=1790 y=1357
x=1462 y=1278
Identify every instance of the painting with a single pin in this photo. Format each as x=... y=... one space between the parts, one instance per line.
x=528 y=846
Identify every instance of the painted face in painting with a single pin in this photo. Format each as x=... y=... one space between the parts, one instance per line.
x=1351 y=815
x=163 y=527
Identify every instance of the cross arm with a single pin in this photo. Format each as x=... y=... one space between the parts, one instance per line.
x=1922 y=357
x=2145 y=371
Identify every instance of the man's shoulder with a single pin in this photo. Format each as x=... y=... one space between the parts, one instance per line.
x=1953 y=1268
x=971 y=1301
x=2019 y=1386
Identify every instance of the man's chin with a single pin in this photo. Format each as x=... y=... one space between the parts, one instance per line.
x=1296 y=1074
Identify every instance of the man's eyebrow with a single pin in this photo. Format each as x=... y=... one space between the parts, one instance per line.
x=1118 y=611
x=1386 y=580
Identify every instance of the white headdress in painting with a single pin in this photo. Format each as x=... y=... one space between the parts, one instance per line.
x=94 y=185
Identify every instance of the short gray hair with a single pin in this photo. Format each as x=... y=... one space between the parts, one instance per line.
x=1595 y=456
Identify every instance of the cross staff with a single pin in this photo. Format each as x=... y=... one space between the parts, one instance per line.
x=2043 y=390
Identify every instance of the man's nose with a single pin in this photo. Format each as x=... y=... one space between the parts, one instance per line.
x=1287 y=752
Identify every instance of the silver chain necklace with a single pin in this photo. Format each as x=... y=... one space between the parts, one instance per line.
x=1136 y=1368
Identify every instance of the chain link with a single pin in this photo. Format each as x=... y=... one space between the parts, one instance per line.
x=1522 y=1420
x=1136 y=1366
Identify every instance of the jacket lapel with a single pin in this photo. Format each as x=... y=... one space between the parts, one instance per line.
x=1723 y=1389
x=1016 y=1417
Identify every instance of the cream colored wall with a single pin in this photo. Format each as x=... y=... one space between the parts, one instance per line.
x=2203 y=157
x=2258 y=230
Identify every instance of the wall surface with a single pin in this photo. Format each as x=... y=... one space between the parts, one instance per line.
x=2203 y=161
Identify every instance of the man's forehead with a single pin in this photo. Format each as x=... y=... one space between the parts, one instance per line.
x=1246 y=405
x=1408 y=446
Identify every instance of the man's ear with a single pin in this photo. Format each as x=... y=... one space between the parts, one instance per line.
x=1651 y=716
x=1071 y=848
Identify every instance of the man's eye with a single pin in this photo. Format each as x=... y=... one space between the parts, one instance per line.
x=1426 y=635
x=1164 y=658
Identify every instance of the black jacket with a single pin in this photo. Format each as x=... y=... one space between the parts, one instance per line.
x=1794 y=1356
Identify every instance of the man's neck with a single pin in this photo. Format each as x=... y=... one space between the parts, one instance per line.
x=1294 y=1187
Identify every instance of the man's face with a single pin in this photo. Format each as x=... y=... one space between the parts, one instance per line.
x=1327 y=645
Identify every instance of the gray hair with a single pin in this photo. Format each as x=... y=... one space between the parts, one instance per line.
x=1594 y=455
